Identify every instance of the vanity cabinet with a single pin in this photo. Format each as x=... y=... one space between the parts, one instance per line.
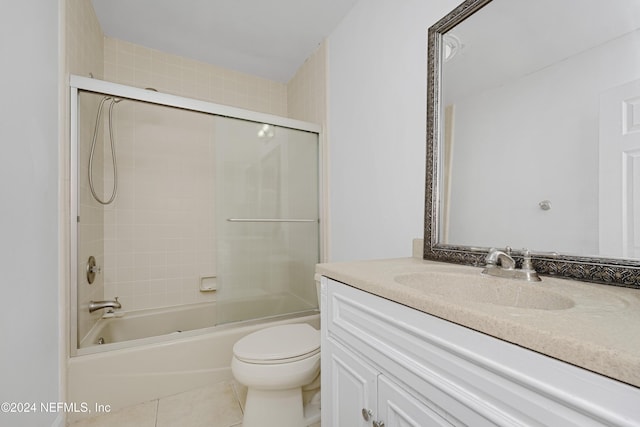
x=360 y=393
x=385 y=364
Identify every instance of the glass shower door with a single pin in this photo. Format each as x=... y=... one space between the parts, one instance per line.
x=266 y=219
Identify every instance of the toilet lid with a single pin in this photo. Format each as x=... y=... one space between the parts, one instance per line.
x=278 y=343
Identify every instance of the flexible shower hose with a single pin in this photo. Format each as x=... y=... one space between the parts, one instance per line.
x=113 y=151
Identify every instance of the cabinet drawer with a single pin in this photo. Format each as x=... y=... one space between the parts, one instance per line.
x=498 y=382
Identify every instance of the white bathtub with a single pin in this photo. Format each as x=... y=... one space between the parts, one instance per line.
x=140 y=324
x=137 y=369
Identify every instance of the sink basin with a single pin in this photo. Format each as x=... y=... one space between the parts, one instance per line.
x=463 y=288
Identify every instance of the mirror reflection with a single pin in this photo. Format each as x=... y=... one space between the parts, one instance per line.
x=540 y=128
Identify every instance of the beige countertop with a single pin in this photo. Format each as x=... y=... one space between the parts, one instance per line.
x=598 y=329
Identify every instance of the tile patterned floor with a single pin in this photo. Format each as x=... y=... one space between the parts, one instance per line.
x=219 y=405
x=214 y=406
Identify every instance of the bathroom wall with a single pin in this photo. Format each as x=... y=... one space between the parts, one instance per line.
x=159 y=235
x=307 y=100
x=138 y=66
x=84 y=47
x=159 y=232
x=307 y=89
x=167 y=275
x=377 y=66
x=83 y=39
x=91 y=215
x=29 y=216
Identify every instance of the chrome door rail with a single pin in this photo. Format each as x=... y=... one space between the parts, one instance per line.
x=271 y=220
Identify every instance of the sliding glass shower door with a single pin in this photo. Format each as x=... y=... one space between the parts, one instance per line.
x=266 y=219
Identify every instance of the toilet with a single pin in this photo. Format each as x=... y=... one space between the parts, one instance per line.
x=277 y=364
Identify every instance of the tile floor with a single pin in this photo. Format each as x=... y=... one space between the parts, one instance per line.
x=219 y=405
x=214 y=406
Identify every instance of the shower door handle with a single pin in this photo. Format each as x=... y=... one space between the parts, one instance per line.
x=271 y=220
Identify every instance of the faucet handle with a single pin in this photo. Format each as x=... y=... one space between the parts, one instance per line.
x=531 y=275
x=526 y=260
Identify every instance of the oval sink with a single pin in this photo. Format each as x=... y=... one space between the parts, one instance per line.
x=485 y=290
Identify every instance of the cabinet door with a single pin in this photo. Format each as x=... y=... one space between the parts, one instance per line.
x=397 y=408
x=352 y=390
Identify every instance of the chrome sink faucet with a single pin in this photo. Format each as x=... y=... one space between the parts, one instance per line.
x=98 y=305
x=502 y=264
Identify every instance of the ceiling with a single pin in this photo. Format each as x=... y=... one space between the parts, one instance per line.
x=266 y=38
x=508 y=39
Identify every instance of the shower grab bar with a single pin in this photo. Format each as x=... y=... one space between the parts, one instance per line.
x=270 y=220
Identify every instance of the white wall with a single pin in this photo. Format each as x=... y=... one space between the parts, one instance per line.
x=377 y=72
x=29 y=208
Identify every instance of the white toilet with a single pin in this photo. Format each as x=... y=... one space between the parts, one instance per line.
x=275 y=364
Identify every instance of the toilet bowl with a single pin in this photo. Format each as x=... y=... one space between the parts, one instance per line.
x=276 y=364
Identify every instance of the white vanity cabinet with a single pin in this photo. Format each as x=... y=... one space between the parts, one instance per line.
x=358 y=385
x=385 y=364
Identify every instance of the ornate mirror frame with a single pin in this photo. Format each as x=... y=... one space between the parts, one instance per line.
x=612 y=271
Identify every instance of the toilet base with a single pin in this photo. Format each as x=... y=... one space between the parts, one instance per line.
x=278 y=408
x=312 y=411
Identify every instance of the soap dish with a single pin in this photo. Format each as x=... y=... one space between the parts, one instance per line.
x=208 y=284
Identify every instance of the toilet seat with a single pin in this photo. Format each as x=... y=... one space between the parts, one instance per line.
x=278 y=344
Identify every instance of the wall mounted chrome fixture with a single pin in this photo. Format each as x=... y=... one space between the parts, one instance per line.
x=92 y=269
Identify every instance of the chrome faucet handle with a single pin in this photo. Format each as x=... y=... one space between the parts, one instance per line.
x=526 y=260
x=529 y=273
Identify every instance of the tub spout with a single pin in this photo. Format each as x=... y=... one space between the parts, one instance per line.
x=98 y=305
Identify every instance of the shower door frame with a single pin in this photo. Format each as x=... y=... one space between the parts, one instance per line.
x=101 y=87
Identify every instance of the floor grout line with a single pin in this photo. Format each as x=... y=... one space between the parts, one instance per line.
x=236 y=394
x=157 y=407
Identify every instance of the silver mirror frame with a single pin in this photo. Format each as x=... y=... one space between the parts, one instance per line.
x=611 y=271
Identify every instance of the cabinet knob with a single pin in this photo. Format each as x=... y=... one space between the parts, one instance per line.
x=378 y=424
x=366 y=414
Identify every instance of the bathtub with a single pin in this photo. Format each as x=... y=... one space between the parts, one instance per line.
x=143 y=324
x=186 y=352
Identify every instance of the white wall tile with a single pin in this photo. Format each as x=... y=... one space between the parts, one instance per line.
x=158 y=235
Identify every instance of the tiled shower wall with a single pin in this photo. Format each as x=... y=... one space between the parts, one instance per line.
x=134 y=275
x=84 y=56
x=159 y=233
x=138 y=66
x=307 y=92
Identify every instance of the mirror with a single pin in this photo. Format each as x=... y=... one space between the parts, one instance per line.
x=533 y=136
